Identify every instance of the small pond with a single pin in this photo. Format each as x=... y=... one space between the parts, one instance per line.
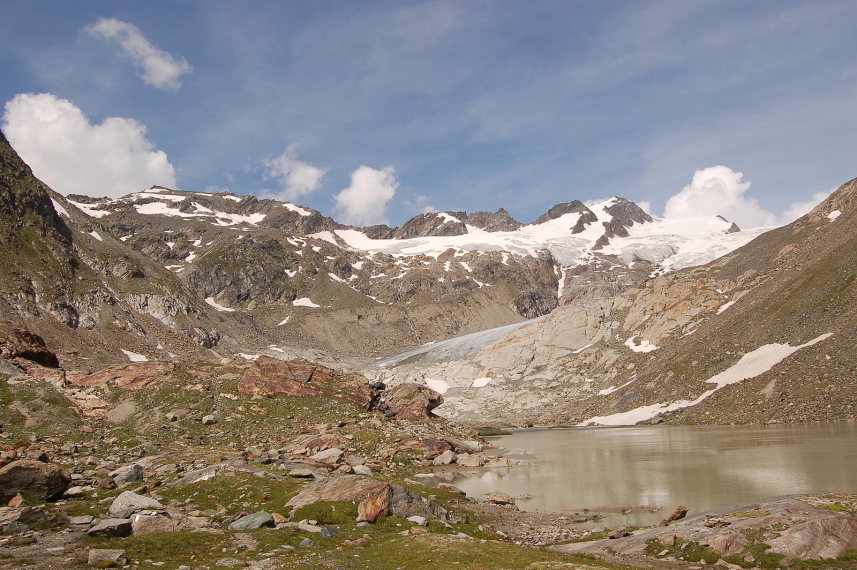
x=631 y=471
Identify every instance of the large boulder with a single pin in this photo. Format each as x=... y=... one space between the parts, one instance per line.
x=34 y=479
x=18 y=342
x=412 y=401
x=133 y=376
x=268 y=376
x=375 y=498
x=129 y=502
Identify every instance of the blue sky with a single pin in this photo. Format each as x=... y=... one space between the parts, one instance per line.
x=374 y=111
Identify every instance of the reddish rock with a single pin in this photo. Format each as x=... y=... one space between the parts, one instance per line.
x=412 y=401
x=18 y=342
x=374 y=507
x=429 y=449
x=317 y=442
x=42 y=481
x=131 y=376
x=268 y=376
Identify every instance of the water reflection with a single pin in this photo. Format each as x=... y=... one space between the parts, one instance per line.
x=701 y=467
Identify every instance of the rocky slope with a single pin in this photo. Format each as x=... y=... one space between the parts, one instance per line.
x=761 y=334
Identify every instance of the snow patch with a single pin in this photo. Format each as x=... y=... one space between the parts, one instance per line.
x=96 y=235
x=218 y=306
x=133 y=356
x=60 y=210
x=302 y=211
x=725 y=306
x=284 y=321
x=644 y=346
x=833 y=215
x=304 y=302
x=481 y=382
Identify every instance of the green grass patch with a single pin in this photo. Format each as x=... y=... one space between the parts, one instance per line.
x=243 y=491
x=684 y=550
x=328 y=513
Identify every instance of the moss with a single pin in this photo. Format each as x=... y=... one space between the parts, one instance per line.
x=244 y=490
x=328 y=513
x=684 y=550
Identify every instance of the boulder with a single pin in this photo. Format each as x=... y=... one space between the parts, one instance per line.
x=106 y=557
x=127 y=474
x=329 y=456
x=445 y=458
x=111 y=528
x=162 y=522
x=499 y=498
x=375 y=498
x=21 y=517
x=412 y=401
x=362 y=470
x=824 y=537
x=317 y=442
x=18 y=342
x=209 y=420
x=269 y=376
x=35 y=479
x=133 y=376
x=253 y=521
x=128 y=501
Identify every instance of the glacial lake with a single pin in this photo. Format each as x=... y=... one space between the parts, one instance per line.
x=615 y=469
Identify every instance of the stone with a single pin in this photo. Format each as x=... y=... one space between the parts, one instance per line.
x=111 y=528
x=253 y=521
x=76 y=491
x=449 y=488
x=21 y=518
x=419 y=530
x=726 y=544
x=81 y=520
x=35 y=479
x=149 y=523
x=132 y=376
x=306 y=543
x=445 y=458
x=198 y=475
x=499 y=498
x=269 y=376
x=16 y=501
x=329 y=456
x=308 y=526
x=823 y=537
x=372 y=508
x=128 y=501
x=677 y=514
x=16 y=341
x=302 y=473
x=619 y=533
x=209 y=420
x=127 y=474
x=328 y=532
x=362 y=470
x=176 y=415
x=467 y=460
x=108 y=557
x=412 y=401
x=418 y=520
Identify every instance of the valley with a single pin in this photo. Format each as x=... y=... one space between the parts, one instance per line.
x=202 y=380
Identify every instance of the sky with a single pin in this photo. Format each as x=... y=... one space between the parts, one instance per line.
x=373 y=111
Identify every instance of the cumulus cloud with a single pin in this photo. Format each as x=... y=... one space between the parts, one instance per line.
x=298 y=178
x=365 y=202
x=719 y=190
x=420 y=204
x=798 y=209
x=73 y=156
x=156 y=67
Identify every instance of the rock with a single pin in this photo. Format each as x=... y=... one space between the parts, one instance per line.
x=81 y=520
x=18 y=342
x=162 y=522
x=677 y=514
x=253 y=521
x=76 y=491
x=198 y=475
x=268 y=376
x=41 y=481
x=209 y=420
x=302 y=473
x=619 y=533
x=329 y=456
x=412 y=401
x=128 y=501
x=468 y=446
x=419 y=530
x=111 y=528
x=827 y=537
x=106 y=557
x=328 y=532
x=467 y=460
x=726 y=544
x=229 y=563
x=308 y=526
x=362 y=470
x=16 y=501
x=445 y=458
x=375 y=498
x=176 y=415
x=127 y=474
x=499 y=498
x=133 y=376
x=449 y=488
x=22 y=517
x=418 y=520
x=306 y=543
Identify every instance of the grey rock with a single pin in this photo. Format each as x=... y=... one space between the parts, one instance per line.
x=328 y=532
x=445 y=458
x=81 y=520
x=106 y=557
x=362 y=470
x=253 y=521
x=198 y=475
x=127 y=474
x=306 y=543
x=416 y=519
x=209 y=420
x=134 y=502
x=111 y=528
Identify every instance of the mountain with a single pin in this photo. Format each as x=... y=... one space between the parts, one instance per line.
x=764 y=333
x=313 y=284
x=89 y=296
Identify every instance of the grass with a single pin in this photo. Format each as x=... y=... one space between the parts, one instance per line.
x=243 y=491
x=684 y=550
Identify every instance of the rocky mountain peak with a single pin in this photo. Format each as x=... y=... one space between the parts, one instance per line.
x=499 y=221
x=587 y=216
x=432 y=224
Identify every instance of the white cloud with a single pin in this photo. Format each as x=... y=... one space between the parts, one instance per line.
x=298 y=178
x=365 y=202
x=420 y=204
x=73 y=156
x=719 y=190
x=798 y=209
x=158 y=68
